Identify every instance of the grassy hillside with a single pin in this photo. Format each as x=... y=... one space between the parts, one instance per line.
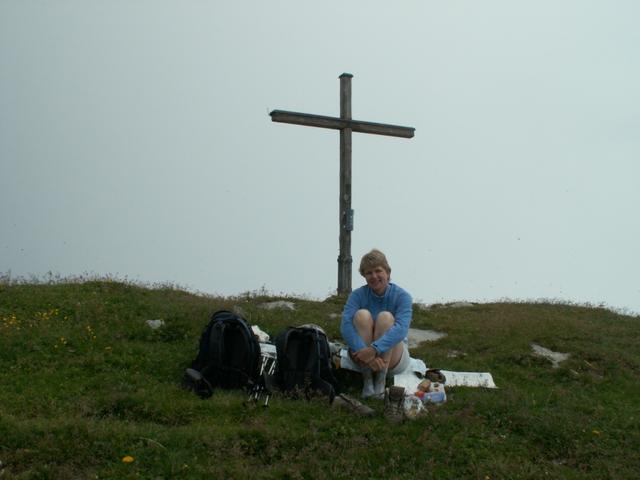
x=85 y=382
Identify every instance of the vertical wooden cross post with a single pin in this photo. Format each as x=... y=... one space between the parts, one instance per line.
x=346 y=125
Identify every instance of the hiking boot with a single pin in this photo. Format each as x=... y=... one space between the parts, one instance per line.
x=394 y=404
x=346 y=402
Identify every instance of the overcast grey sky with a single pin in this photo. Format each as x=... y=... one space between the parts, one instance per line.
x=135 y=141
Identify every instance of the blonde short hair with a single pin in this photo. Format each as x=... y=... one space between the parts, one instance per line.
x=374 y=259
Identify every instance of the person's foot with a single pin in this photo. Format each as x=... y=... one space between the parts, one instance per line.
x=394 y=404
x=368 y=390
x=349 y=403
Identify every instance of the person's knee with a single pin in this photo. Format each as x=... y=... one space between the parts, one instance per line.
x=362 y=318
x=385 y=320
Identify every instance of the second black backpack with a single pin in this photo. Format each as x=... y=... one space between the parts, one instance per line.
x=304 y=362
x=228 y=357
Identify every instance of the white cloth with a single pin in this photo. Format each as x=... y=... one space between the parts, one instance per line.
x=414 y=365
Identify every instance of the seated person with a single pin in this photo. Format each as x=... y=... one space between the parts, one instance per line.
x=375 y=324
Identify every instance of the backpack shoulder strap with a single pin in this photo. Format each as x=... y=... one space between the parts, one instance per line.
x=250 y=346
x=216 y=342
x=325 y=381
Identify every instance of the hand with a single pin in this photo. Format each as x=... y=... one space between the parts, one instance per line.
x=377 y=364
x=364 y=356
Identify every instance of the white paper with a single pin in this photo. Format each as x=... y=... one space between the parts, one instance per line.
x=261 y=334
x=469 y=379
x=407 y=380
x=268 y=350
x=410 y=380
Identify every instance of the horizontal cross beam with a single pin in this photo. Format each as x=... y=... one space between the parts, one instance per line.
x=310 y=120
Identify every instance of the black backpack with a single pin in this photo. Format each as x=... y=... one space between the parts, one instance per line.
x=229 y=356
x=304 y=362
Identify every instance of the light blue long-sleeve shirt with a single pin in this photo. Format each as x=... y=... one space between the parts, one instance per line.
x=395 y=301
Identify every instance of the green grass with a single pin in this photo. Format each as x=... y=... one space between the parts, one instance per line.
x=84 y=382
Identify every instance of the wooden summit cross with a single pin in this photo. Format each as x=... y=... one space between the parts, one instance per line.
x=346 y=125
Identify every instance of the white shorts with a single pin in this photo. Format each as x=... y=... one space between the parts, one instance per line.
x=402 y=366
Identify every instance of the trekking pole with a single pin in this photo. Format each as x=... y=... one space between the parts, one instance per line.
x=272 y=369
x=262 y=386
x=254 y=394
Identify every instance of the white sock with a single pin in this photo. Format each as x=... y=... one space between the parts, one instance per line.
x=367 y=388
x=381 y=382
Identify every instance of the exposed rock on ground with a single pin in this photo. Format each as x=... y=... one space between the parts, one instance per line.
x=459 y=305
x=155 y=324
x=278 y=304
x=423 y=306
x=554 y=357
x=417 y=336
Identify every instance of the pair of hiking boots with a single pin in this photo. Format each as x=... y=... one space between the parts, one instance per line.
x=397 y=407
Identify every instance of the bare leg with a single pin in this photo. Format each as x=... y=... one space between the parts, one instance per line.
x=391 y=358
x=363 y=321
x=383 y=323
